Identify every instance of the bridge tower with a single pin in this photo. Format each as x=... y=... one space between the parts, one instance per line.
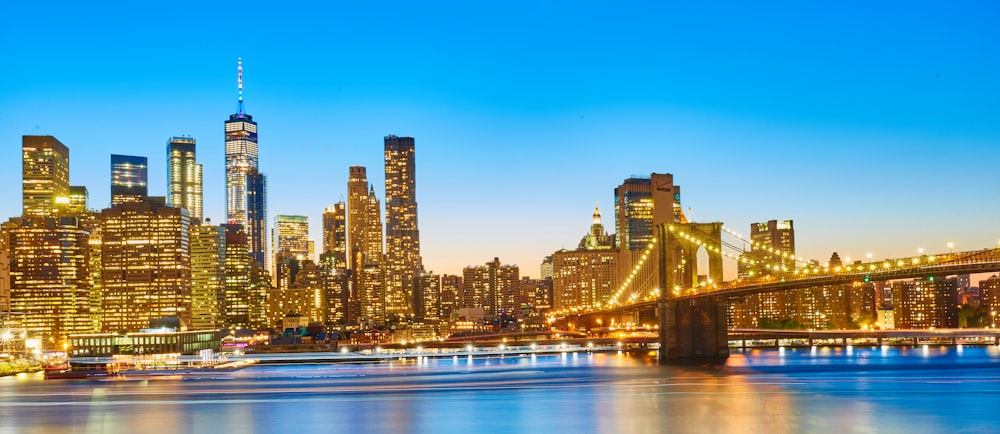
x=691 y=329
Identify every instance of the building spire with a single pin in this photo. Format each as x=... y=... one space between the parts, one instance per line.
x=239 y=82
x=597 y=214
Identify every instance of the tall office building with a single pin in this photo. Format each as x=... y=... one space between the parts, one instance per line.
x=184 y=187
x=364 y=227
x=49 y=279
x=402 y=238
x=245 y=185
x=587 y=276
x=44 y=174
x=335 y=234
x=146 y=265
x=291 y=236
x=247 y=284
x=641 y=203
x=208 y=276
x=290 y=248
x=129 y=178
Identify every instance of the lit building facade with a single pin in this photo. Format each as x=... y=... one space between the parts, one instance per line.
x=184 y=184
x=641 y=203
x=245 y=185
x=402 y=237
x=364 y=227
x=451 y=295
x=77 y=201
x=145 y=265
x=493 y=287
x=291 y=236
x=208 y=276
x=49 y=276
x=770 y=240
x=44 y=174
x=989 y=297
x=335 y=234
x=925 y=303
x=587 y=276
x=427 y=297
x=129 y=178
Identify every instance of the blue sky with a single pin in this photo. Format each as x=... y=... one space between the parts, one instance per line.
x=875 y=127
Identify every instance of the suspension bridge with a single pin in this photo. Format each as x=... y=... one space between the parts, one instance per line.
x=663 y=284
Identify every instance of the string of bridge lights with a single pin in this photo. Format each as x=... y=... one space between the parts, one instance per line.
x=807 y=268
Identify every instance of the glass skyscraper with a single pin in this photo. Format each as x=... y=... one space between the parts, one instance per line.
x=241 y=171
x=128 y=178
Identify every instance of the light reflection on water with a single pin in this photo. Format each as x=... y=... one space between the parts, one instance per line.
x=858 y=389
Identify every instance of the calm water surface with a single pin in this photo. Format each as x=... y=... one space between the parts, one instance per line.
x=858 y=390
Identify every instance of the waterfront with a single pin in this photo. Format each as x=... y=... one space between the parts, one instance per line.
x=871 y=389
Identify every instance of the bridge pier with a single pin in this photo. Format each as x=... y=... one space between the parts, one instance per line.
x=693 y=331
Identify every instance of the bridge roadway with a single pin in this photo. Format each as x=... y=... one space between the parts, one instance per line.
x=745 y=287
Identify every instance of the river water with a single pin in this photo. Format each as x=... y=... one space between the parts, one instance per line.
x=936 y=389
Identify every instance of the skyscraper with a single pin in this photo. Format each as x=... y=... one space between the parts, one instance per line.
x=256 y=217
x=44 y=174
x=128 y=178
x=402 y=238
x=208 y=276
x=291 y=235
x=145 y=265
x=184 y=188
x=244 y=184
x=364 y=226
x=335 y=234
x=49 y=280
x=642 y=203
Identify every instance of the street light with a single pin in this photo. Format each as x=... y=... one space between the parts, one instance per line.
x=951 y=246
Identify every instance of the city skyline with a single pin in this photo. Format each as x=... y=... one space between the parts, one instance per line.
x=872 y=140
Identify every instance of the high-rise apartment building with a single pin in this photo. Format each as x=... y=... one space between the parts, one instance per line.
x=208 y=276
x=925 y=303
x=493 y=287
x=402 y=237
x=49 y=279
x=427 y=297
x=184 y=186
x=335 y=234
x=145 y=265
x=129 y=178
x=364 y=227
x=451 y=295
x=44 y=174
x=989 y=297
x=245 y=185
